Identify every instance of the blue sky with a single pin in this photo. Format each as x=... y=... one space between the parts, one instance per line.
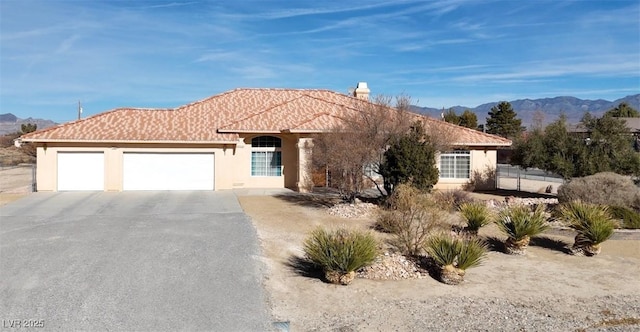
x=112 y=54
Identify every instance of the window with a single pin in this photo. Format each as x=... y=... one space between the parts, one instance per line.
x=370 y=170
x=455 y=165
x=266 y=156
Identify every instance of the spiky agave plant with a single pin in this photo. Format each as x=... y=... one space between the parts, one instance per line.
x=455 y=256
x=476 y=215
x=593 y=223
x=341 y=252
x=520 y=223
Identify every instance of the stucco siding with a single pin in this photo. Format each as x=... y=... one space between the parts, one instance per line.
x=47 y=165
x=113 y=158
x=481 y=160
x=232 y=163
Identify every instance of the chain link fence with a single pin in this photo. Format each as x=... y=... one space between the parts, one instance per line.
x=533 y=180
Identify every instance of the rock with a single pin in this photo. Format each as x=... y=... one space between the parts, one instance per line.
x=358 y=210
x=392 y=266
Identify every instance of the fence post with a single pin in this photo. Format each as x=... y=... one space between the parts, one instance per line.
x=34 y=186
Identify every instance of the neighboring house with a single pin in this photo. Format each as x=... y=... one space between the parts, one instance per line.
x=633 y=124
x=244 y=138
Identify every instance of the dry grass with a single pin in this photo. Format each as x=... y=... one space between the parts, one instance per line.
x=11 y=156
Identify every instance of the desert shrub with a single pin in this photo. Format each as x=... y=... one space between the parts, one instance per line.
x=386 y=222
x=341 y=251
x=455 y=255
x=476 y=215
x=29 y=149
x=482 y=180
x=635 y=202
x=520 y=223
x=405 y=196
x=629 y=219
x=7 y=139
x=603 y=188
x=413 y=226
x=451 y=200
x=410 y=217
x=592 y=222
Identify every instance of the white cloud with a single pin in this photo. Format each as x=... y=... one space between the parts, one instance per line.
x=620 y=65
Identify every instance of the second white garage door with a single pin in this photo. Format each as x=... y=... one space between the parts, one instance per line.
x=168 y=171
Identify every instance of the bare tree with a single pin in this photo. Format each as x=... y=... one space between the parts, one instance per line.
x=353 y=151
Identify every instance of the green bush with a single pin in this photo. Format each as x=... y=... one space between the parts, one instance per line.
x=630 y=219
x=341 y=250
x=603 y=188
x=476 y=215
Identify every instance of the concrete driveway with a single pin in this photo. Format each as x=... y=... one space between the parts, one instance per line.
x=145 y=261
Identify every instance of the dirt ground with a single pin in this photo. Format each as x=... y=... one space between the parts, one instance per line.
x=547 y=286
x=15 y=182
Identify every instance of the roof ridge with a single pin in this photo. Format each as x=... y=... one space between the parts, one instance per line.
x=245 y=89
x=65 y=124
x=283 y=89
x=339 y=104
x=261 y=112
x=474 y=131
x=317 y=116
x=179 y=108
x=73 y=122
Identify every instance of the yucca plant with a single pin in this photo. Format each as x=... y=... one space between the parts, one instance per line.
x=593 y=223
x=628 y=218
x=476 y=215
x=340 y=253
x=455 y=256
x=520 y=223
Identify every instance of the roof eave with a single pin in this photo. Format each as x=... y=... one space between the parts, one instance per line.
x=32 y=140
x=305 y=131
x=482 y=144
x=246 y=131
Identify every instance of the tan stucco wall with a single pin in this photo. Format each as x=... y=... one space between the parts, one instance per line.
x=481 y=159
x=47 y=165
x=232 y=163
x=113 y=157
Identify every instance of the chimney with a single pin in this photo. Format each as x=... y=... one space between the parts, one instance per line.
x=361 y=91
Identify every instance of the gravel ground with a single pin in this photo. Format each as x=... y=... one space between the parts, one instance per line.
x=453 y=313
x=544 y=290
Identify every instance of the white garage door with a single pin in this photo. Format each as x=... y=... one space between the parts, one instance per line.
x=168 y=171
x=80 y=171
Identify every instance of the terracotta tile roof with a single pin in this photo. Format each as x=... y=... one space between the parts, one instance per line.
x=221 y=117
x=464 y=136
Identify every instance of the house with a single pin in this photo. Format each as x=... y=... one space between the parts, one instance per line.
x=632 y=124
x=244 y=138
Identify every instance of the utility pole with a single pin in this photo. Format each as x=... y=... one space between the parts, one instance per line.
x=79 y=110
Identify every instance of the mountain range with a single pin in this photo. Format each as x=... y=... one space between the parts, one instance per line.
x=573 y=108
x=10 y=123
